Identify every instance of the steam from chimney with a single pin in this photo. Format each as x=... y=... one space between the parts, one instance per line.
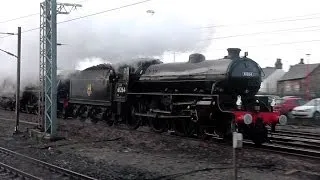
x=113 y=38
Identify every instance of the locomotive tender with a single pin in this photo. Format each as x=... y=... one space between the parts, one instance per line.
x=199 y=97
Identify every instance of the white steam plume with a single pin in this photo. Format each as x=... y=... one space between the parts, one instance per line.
x=117 y=37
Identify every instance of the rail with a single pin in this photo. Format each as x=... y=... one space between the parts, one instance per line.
x=41 y=164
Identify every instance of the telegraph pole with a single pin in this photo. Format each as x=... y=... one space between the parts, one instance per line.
x=18 y=81
x=18 y=56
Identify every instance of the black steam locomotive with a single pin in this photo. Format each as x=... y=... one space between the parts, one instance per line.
x=199 y=97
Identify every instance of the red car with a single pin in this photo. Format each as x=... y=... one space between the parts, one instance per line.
x=286 y=104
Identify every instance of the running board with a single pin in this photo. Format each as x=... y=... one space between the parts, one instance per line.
x=160 y=116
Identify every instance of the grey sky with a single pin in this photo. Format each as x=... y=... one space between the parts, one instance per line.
x=175 y=26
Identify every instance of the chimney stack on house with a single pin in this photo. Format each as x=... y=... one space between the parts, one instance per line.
x=278 y=64
x=301 y=61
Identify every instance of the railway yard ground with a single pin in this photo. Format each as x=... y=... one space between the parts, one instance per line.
x=102 y=152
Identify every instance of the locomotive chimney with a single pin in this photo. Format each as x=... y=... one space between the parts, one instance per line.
x=233 y=53
x=196 y=58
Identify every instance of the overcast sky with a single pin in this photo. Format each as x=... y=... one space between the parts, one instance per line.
x=181 y=26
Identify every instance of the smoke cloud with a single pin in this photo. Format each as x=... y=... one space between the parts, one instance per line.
x=106 y=39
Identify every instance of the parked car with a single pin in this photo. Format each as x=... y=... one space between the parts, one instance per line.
x=286 y=104
x=309 y=110
x=270 y=97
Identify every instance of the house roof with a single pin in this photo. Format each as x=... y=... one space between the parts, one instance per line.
x=299 y=71
x=268 y=71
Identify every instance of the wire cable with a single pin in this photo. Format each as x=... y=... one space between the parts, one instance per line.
x=26 y=16
x=101 y=12
x=272 y=44
x=257 y=22
x=265 y=32
x=21 y=17
x=140 y=2
x=93 y=14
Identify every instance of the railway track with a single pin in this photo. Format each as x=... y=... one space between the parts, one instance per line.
x=14 y=165
x=304 y=144
x=301 y=144
x=299 y=139
x=300 y=134
x=281 y=146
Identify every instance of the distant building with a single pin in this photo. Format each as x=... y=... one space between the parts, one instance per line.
x=271 y=77
x=301 y=80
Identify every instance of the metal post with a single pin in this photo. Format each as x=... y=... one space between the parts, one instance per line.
x=54 y=68
x=48 y=62
x=235 y=170
x=237 y=143
x=18 y=81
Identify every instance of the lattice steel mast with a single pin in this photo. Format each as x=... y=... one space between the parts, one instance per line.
x=47 y=112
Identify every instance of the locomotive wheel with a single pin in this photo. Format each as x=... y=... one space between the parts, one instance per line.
x=75 y=111
x=93 y=117
x=27 y=109
x=108 y=119
x=205 y=132
x=260 y=138
x=157 y=125
x=260 y=134
x=133 y=122
x=184 y=127
x=82 y=113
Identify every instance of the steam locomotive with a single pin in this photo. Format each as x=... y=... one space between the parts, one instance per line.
x=199 y=97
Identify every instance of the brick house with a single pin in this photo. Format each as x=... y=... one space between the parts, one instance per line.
x=299 y=79
x=271 y=77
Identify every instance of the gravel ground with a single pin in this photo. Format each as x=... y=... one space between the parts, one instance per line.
x=108 y=153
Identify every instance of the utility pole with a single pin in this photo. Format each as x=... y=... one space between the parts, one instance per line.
x=18 y=81
x=18 y=56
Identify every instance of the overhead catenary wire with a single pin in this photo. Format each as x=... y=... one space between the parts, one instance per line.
x=262 y=45
x=265 y=32
x=258 y=22
x=128 y=5
x=81 y=17
x=18 y=18
x=88 y=15
x=222 y=37
x=275 y=20
x=140 y=2
x=26 y=16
